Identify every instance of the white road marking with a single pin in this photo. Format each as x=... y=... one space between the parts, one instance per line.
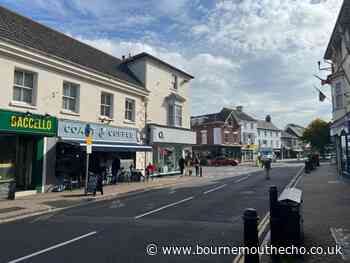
x=52 y=248
x=241 y=179
x=164 y=207
x=214 y=189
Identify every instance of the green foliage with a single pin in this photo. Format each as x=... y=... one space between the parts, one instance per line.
x=317 y=134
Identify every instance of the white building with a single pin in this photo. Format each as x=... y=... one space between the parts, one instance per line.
x=53 y=86
x=269 y=136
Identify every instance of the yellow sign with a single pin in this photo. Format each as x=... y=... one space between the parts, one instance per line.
x=88 y=140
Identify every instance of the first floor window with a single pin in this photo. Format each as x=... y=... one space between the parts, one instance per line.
x=70 y=96
x=23 y=88
x=130 y=109
x=204 y=138
x=106 y=104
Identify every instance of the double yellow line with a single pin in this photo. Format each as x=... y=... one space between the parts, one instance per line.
x=261 y=229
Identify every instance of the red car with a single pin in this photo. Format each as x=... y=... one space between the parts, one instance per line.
x=221 y=161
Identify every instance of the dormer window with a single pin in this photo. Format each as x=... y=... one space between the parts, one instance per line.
x=174 y=82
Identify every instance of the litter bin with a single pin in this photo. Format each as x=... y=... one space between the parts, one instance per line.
x=290 y=217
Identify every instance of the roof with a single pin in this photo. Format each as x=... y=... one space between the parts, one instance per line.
x=288 y=135
x=145 y=54
x=266 y=125
x=26 y=32
x=222 y=116
x=295 y=129
x=344 y=20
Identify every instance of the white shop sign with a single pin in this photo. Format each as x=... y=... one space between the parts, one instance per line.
x=172 y=135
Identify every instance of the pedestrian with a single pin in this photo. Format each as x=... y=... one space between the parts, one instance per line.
x=99 y=184
x=181 y=165
x=115 y=170
x=196 y=162
x=149 y=170
x=267 y=165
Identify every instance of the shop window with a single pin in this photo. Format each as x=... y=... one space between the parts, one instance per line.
x=168 y=158
x=130 y=109
x=70 y=100
x=106 y=104
x=174 y=82
x=23 y=89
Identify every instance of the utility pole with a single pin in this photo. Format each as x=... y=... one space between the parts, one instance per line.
x=88 y=141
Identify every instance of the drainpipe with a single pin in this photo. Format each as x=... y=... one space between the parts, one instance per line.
x=145 y=133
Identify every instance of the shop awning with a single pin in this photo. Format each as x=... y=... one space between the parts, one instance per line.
x=112 y=147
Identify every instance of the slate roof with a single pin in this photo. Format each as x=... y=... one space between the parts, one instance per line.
x=267 y=125
x=288 y=135
x=24 y=31
x=295 y=129
x=145 y=54
x=221 y=116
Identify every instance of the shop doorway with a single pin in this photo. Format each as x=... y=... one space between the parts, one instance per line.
x=24 y=162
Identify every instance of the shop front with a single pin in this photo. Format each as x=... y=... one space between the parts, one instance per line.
x=340 y=135
x=249 y=152
x=109 y=144
x=22 y=148
x=208 y=151
x=169 y=145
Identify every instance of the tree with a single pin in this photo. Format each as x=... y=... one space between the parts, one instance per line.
x=317 y=134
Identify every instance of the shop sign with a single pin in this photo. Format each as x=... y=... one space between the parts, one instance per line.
x=172 y=135
x=27 y=123
x=75 y=130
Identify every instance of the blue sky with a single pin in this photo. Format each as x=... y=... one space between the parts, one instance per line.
x=257 y=53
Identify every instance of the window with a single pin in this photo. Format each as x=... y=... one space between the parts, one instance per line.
x=130 y=109
x=271 y=143
x=174 y=81
x=23 y=88
x=70 y=96
x=251 y=125
x=338 y=96
x=204 y=137
x=175 y=115
x=265 y=133
x=106 y=104
x=270 y=133
x=178 y=115
x=245 y=125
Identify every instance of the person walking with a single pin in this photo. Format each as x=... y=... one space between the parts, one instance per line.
x=196 y=162
x=115 y=170
x=182 y=165
x=99 y=184
x=267 y=165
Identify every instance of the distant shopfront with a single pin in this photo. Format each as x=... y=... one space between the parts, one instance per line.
x=109 y=143
x=169 y=145
x=22 y=148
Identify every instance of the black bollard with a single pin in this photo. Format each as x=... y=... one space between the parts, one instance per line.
x=274 y=220
x=200 y=171
x=251 y=238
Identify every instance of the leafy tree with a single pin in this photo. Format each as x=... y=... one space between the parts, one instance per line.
x=317 y=133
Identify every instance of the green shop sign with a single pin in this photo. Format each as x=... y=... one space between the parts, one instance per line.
x=27 y=123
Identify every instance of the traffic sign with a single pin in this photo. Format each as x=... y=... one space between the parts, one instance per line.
x=88 y=140
x=87 y=130
x=88 y=148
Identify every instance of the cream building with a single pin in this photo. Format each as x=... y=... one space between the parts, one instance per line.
x=48 y=77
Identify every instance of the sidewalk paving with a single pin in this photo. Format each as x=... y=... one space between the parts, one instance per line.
x=326 y=213
x=38 y=204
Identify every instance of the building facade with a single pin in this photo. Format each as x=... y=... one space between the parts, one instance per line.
x=217 y=134
x=289 y=145
x=269 y=137
x=54 y=86
x=337 y=54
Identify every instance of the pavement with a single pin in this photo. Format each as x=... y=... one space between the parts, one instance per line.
x=326 y=199
x=193 y=213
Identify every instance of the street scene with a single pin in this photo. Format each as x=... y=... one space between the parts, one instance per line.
x=174 y=131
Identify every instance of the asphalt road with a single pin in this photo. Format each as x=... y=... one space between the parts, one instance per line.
x=205 y=213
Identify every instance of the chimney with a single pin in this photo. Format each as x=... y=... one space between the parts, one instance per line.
x=268 y=118
x=239 y=108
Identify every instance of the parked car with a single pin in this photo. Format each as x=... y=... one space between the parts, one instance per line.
x=222 y=160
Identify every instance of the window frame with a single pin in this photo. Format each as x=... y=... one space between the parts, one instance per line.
x=204 y=132
x=69 y=97
x=24 y=87
x=127 y=110
x=104 y=106
x=339 y=96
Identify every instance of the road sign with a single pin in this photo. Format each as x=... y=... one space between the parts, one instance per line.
x=87 y=130
x=88 y=148
x=88 y=140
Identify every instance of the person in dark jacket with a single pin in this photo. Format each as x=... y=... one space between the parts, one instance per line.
x=115 y=170
x=182 y=165
x=99 y=184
